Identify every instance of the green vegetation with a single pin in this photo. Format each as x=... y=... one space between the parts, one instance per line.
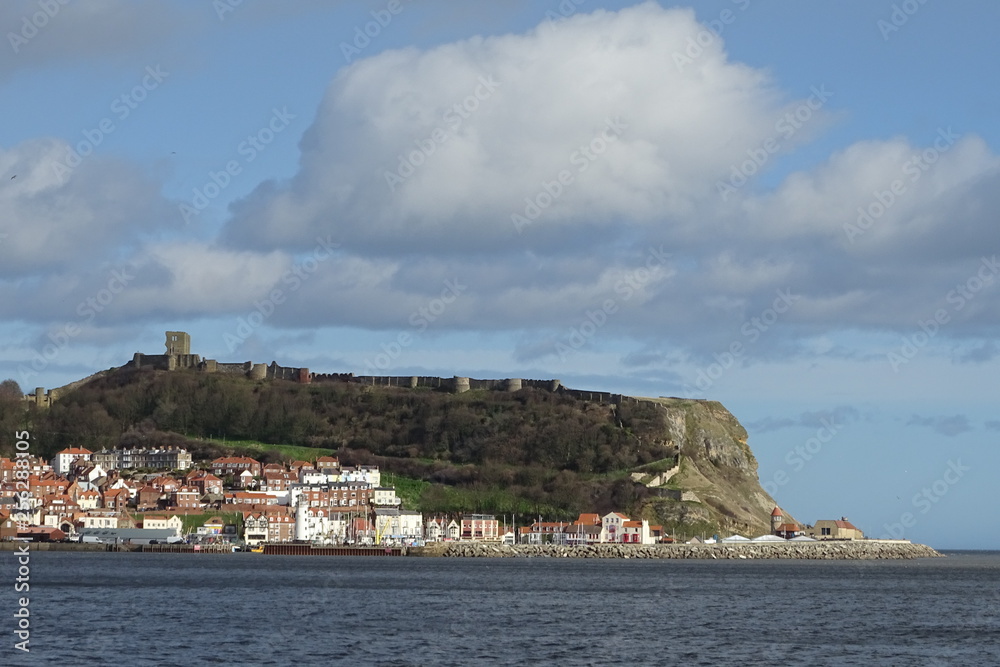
x=530 y=452
x=191 y=522
x=257 y=449
x=408 y=489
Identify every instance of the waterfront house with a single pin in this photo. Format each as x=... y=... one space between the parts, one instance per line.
x=640 y=532
x=480 y=528
x=834 y=529
x=612 y=526
x=254 y=528
x=396 y=525
x=172 y=522
x=788 y=530
x=42 y=534
x=96 y=519
x=546 y=532
x=434 y=530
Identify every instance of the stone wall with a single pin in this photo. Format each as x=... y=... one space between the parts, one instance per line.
x=853 y=550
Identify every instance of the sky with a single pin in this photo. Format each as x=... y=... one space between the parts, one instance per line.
x=790 y=208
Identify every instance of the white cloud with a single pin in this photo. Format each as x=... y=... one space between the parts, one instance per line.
x=55 y=217
x=551 y=93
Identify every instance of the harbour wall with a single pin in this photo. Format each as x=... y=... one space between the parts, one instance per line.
x=829 y=550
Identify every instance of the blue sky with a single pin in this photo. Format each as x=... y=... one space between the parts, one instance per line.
x=794 y=214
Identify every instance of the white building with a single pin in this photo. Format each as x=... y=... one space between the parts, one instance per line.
x=98 y=520
x=385 y=496
x=613 y=526
x=62 y=464
x=368 y=474
x=394 y=525
x=319 y=525
x=161 y=523
x=311 y=476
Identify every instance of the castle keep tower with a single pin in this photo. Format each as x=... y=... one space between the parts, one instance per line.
x=178 y=342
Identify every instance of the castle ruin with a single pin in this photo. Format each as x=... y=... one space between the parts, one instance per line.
x=178 y=357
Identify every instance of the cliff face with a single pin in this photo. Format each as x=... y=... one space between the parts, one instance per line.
x=717 y=467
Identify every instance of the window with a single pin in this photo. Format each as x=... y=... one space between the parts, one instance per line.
x=825 y=531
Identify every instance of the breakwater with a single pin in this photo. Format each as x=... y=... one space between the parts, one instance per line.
x=829 y=550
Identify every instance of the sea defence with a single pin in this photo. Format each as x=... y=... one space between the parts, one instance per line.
x=820 y=550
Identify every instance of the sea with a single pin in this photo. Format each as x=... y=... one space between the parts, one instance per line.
x=252 y=609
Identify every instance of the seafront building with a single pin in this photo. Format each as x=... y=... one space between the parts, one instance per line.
x=83 y=494
x=165 y=458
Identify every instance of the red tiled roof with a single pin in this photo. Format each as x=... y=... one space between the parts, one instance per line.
x=777 y=512
x=75 y=450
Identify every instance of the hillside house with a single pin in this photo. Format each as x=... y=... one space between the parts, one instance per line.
x=65 y=459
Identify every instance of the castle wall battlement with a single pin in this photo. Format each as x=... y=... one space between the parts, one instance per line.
x=178 y=357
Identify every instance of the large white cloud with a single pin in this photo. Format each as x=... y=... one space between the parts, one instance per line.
x=528 y=108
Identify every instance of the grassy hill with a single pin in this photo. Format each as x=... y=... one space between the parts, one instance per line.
x=528 y=452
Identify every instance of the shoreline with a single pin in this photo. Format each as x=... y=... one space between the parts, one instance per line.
x=822 y=550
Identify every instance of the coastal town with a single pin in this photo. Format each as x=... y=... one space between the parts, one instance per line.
x=136 y=496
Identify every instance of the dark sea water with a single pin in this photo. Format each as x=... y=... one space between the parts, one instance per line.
x=251 y=609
